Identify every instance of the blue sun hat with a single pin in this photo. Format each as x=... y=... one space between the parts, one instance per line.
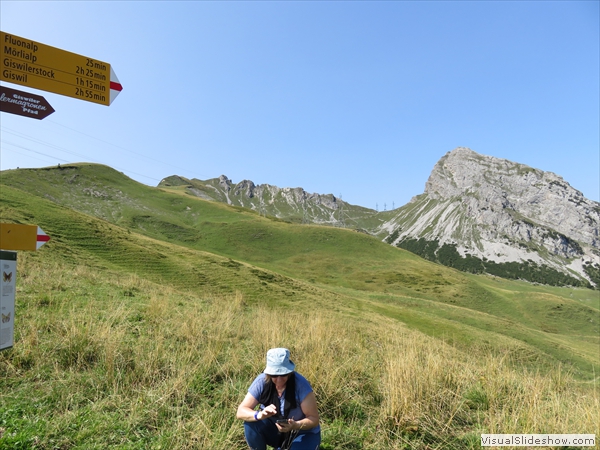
x=278 y=362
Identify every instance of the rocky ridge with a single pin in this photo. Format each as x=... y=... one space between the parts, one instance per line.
x=294 y=204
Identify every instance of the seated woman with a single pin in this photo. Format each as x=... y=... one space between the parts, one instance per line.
x=288 y=416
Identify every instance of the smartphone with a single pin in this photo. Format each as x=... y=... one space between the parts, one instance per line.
x=282 y=421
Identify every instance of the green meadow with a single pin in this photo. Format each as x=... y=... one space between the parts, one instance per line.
x=142 y=322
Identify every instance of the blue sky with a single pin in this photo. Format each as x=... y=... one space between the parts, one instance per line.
x=358 y=99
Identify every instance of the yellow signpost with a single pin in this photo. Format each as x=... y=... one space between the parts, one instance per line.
x=51 y=69
x=21 y=237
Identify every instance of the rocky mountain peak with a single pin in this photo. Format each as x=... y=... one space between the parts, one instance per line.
x=225 y=183
x=499 y=185
x=462 y=170
x=503 y=211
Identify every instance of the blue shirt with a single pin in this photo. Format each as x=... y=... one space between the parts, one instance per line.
x=303 y=388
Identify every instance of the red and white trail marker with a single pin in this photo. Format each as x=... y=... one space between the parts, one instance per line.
x=42 y=238
x=115 y=85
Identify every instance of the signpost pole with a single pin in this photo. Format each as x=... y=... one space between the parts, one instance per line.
x=8 y=265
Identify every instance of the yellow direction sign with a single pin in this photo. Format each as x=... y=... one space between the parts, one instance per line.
x=51 y=69
x=21 y=237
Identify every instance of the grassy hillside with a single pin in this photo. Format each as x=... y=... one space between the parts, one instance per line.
x=286 y=259
x=141 y=323
x=108 y=359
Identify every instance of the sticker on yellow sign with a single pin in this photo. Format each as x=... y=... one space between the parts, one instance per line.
x=51 y=69
x=21 y=237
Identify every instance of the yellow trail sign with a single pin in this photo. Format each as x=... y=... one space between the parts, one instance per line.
x=21 y=237
x=51 y=69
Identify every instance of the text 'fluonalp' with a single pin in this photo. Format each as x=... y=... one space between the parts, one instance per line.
x=20 y=48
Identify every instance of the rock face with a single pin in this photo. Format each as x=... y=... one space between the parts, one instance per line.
x=501 y=211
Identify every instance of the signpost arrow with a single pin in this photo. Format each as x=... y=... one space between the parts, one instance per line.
x=41 y=238
x=21 y=237
x=51 y=69
x=24 y=103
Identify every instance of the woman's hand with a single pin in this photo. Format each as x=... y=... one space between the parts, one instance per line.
x=269 y=411
x=247 y=413
x=287 y=427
